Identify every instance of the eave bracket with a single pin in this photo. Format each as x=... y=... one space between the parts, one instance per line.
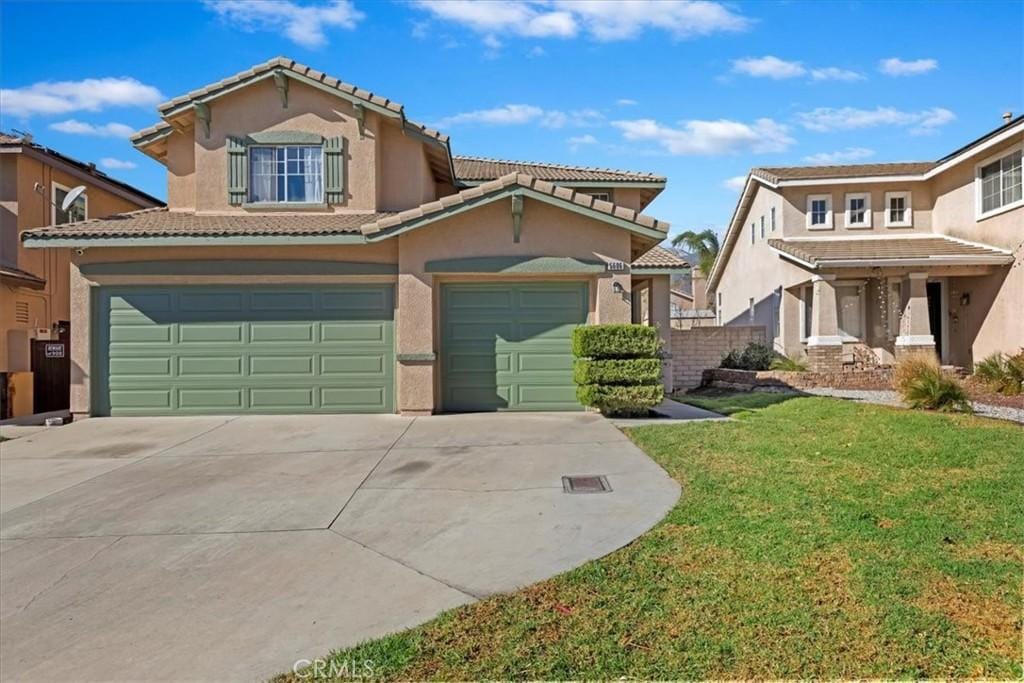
x=281 y=83
x=517 y=216
x=203 y=116
x=360 y=113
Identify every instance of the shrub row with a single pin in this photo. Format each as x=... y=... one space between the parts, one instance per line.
x=756 y=356
x=624 y=371
x=634 y=400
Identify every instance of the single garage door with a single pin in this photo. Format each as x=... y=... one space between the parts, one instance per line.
x=508 y=346
x=228 y=350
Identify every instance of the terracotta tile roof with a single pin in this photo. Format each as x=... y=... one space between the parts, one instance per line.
x=6 y=139
x=473 y=169
x=825 y=251
x=521 y=179
x=660 y=257
x=775 y=174
x=21 y=277
x=302 y=70
x=163 y=223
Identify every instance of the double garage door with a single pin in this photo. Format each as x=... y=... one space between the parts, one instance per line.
x=327 y=349
x=229 y=350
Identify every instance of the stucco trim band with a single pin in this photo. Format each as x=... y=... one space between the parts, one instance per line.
x=515 y=264
x=232 y=267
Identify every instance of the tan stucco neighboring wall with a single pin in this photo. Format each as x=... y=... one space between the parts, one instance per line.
x=794 y=212
x=27 y=209
x=404 y=176
x=756 y=271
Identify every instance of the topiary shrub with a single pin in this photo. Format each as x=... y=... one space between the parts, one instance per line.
x=1002 y=374
x=756 y=356
x=922 y=384
x=618 y=368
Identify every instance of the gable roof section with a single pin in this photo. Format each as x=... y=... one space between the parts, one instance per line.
x=160 y=226
x=471 y=169
x=658 y=259
x=304 y=74
x=15 y=144
x=818 y=252
x=778 y=174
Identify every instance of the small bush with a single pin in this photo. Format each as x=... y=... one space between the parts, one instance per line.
x=618 y=368
x=627 y=401
x=787 y=364
x=756 y=356
x=616 y=341
x=922 y=384
x=1002 y=374
x=617 y=371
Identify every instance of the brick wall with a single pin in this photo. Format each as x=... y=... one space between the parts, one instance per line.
x=700 y=348
x=746 y=380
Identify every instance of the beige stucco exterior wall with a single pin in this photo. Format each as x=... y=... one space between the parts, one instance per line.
x=30 y=209
x=487 y=231
x=794 y=212
x=404 y=176
x=181 y=171
x=755 y=270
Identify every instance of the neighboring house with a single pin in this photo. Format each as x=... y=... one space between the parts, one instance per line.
x=862 y=264
x=34 y=283
x=323 y=253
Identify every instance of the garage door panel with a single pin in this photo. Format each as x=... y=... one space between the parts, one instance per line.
x=337 y=360
x=513 y=356
x=290 y=301
x=142 y=303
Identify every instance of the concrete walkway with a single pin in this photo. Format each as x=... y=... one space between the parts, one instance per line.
x=220 y=548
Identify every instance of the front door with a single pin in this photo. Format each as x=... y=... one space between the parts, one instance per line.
x=935 y=313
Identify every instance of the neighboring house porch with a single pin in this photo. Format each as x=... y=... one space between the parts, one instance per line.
x=868 y=302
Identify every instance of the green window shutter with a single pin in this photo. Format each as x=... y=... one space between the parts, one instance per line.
x=334 y=170
x=238 y=170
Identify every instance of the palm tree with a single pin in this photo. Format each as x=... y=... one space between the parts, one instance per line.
x=703 y=245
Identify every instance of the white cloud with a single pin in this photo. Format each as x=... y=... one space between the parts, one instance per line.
x=843 y=156
x=768 y=67
x=103 y=130
x=777 y=69
x=577 y=141
x=894 y=66
x=603 y=20
x=536 y=51
x=826 y=119
x=117 y=164
x=626 y=102
x=735 y=183
x=834 y=73
x=709 y=137
x=520 y=114
x=90 y=94
x=302 y=24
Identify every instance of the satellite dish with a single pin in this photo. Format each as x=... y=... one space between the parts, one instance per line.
x=72 y=197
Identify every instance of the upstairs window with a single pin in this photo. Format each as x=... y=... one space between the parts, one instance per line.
x=898 y=213
x=602 y=196
x=819 y=212
x=999 y=184
x=858 y=210
x=773 y=219
x=762 y=227
x=293 y=175
x=75 y=213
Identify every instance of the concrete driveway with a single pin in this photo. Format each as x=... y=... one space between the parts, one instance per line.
x=212 y=548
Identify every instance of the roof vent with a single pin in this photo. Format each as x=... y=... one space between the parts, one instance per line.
x=1007 y=115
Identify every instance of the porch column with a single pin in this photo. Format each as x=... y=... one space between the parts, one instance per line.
x=824 y=345
x=659 y=313
x=915 y=327
x=415 y=357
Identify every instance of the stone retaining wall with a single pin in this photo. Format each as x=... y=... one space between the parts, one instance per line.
x=700 y=348
x=774 y=380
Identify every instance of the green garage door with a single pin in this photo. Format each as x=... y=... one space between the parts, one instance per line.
x=508 y=346
x=228 y=350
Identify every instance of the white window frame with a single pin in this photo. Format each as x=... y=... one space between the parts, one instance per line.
x=979 y=214
x=908 y=221
x=605 y=196
x=806 y=295
x=54 y=186
x=827 y=225
x=866 y=196
x=286 y=202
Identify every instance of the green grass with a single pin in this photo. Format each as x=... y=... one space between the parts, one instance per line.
x=733 y=402
x=814 y=538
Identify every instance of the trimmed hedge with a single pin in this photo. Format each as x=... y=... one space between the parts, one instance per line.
x=622 y=371
x=621 y=400
x=618 y=368
x=616 y=341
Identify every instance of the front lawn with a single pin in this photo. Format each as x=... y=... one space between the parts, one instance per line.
x=815 y=538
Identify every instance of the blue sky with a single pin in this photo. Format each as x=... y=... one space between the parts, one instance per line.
x=696 y=91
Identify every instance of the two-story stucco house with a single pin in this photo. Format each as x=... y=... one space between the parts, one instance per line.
x=861 y=264
x=320 y=252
